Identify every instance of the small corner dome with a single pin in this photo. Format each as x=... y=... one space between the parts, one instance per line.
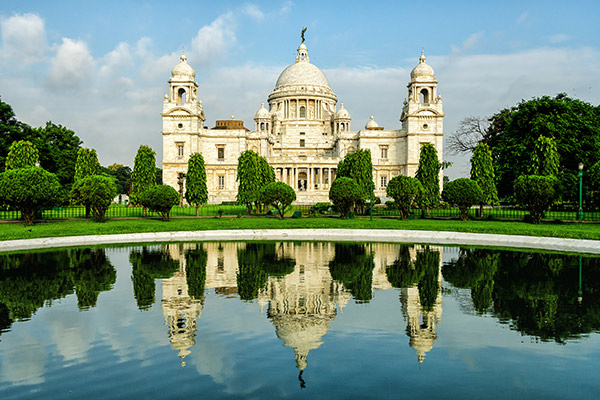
x=371 y=124
x=422 y=70
x=183 y=69
x=262 y=112
x=342 y=113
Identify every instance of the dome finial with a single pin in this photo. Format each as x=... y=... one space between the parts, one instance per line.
x=183 y=58
x=422 y=58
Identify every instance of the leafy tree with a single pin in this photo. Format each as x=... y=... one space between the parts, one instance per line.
x=482 y=172
x=573 y=124
x=22 y=154
x=358 y=166
x=86 y=165
x=344 y=193
x=96 y=192
x=594 y=177
x=58 y=147
x=544 y=158
x=122 y=175
x=28 y=190
x=11 y=130
x=143 y=176
x=253 y=172
x=428 y=173
x=160 y=199
x=195 y=182
x=536 y=193
x=279 y=195
x=404 y=190
x=353 y=267
x=463 y=193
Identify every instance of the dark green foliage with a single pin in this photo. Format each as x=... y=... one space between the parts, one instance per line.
x=358 y=166
x=96 y=192
x=195 y=182
x=353 y=267
x=463 y=193
x=573 y=124
x=593 y=175
x=256 y=262
x=536 y=193
x=148 y=265
x=160 y=199
x=344 y=193
x=253 y=172
x=28 y=190
x=279 y=195
x=482 y=172
x=58 y=148
x=92 y=273
x=22 y=154
x=122 y=175
x=474 y=269
x=87 y=163
x=143 y=176
x=195 y=271
x=405 y=191
x=428 y=173
x=544 y=158
x=11 y=130
x=402 y=273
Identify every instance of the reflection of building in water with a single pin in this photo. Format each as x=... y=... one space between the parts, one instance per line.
x=302 y=303
x=179 y=309
x=421 y=323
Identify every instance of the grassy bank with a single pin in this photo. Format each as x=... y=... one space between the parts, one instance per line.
x=16 y=230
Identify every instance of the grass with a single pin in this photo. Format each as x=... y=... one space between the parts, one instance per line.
x=16 y=230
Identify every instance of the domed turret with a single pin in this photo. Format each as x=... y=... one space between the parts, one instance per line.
x=183 y=71
x=422 y=72
x=371 y=124
x=342 y=113
x=262 y=112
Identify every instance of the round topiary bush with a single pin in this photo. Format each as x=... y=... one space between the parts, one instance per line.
x=278 y=194
x=96 y=190
x=404 y=190
x=160 y=199
x=463 y=193
x=344 y=193
x=536 y=193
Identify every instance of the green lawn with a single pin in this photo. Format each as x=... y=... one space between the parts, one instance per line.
x=16 y=230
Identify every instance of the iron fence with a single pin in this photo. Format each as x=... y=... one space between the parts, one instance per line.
x=557 y=213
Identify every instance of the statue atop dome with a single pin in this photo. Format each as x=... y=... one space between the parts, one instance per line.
x=302 y=34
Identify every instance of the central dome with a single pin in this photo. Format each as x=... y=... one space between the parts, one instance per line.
x=302 y=73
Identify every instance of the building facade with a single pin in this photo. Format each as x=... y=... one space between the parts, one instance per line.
x=303 y=134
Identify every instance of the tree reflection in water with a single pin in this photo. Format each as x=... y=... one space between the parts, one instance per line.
x=352 y=266
x=28 y=281
x=149 y=264
x=536 y=293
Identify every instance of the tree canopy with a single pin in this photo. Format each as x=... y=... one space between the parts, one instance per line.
x=482 y=172
x=195 y=182
x=428 y=174
x=358 y=166
x=143 y=175
x=253 y=172
x=22 y=154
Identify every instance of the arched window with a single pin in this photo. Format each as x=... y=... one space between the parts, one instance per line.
x=181 y=94
x=302 y=112
x=424 y=96
x=262 y=126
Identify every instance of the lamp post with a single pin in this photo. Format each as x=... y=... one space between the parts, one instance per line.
x=580 y=212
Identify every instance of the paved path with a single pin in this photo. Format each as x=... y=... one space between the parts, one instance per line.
x=337 y=235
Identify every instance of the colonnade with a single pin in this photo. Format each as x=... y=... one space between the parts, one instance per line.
x=304 y=178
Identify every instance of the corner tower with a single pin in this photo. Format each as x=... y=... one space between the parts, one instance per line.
x=183 y=118
x=422 y=115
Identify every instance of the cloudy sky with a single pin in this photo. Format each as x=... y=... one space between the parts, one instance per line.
x=101 y=68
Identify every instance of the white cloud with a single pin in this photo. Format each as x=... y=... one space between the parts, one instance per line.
x=558 y=38
x=72 y=66
x=469 y=43
x=523 y=17
x=23 y=38
x=253 y=11
x=214 y=39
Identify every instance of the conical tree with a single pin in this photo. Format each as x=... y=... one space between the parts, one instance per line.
x=428 y=174
x=143 y=176
x=86 y=165
x=22 y=154
x=482 y=172
x=195 y=182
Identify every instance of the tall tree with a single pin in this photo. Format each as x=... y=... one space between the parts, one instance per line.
x=11 y=130
x=143 y=176
x=253 y=172
x=574 y=125
x=87 y=163
x=482 y=172
x=195 y=182
x=22 y=154
x=544 y=158
x=358 y=166
x=58 y=147
x=428 y=173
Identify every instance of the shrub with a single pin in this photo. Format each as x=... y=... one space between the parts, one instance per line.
x=404 y=190
x=536 y=193
x=160 y=199
x=28 y=190
x=279 y=195
x=463 y=193
x=344 y=193
x=97 y=191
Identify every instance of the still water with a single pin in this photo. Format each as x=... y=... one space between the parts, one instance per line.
x=299 y=320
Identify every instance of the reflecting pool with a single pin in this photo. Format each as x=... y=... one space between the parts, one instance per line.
x=299 y=320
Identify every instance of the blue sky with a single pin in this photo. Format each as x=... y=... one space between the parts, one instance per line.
x=101 y=68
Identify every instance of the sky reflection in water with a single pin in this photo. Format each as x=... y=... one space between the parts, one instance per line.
x=298 y=319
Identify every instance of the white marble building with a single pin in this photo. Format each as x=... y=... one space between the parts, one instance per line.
x=302 y=133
